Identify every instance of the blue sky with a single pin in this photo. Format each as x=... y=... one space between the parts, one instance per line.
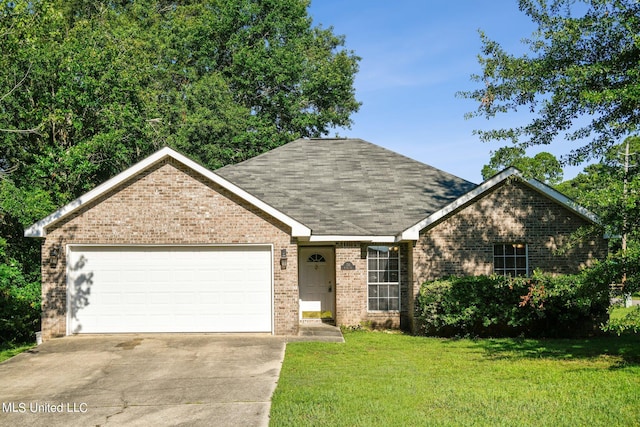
x=416 y=54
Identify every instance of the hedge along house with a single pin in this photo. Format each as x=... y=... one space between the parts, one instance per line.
x=337 y=230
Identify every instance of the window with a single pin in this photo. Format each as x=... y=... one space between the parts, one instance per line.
x=316 y=258
x=510 y=259
x=383 y=264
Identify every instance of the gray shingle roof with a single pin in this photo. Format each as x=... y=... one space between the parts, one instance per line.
x=346 y=186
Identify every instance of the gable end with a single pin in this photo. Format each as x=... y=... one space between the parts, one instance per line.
x=489 y=185
x=39 y=229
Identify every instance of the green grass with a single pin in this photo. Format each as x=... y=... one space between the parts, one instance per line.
x=621 y=312
x=9 y=350
x=382 y=379
x=624 y=320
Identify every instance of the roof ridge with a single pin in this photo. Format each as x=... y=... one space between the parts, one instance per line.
x=397 y=154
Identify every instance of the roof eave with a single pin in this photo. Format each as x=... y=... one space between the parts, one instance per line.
x=353 y=238
x=39 y=228
x=413 y=233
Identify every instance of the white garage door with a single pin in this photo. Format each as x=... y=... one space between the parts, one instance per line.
x=169 y=289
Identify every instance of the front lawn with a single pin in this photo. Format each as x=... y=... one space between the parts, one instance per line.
x=382 y=379
x=619 y=313
x=624 y=320
x=9 y=350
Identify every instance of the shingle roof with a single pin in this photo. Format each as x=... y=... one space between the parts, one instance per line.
x=39 y=229
x=346 y=187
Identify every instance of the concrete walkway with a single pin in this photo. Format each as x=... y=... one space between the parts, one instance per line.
x=318 y=332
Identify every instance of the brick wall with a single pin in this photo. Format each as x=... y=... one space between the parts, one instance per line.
x=351 y=290
x=351 y=285
x=462 y=244
x=169 y=204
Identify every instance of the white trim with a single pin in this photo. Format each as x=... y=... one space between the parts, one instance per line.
x=79 y=246
x=399 y=282
x=331 y=250
x=39 y=228
x=515 y=256
x=413 y=233
x=347 y=238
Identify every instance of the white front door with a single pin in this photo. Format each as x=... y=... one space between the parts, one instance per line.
x=317 y=275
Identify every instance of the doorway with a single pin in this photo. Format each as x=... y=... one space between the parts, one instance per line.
x=317 y=283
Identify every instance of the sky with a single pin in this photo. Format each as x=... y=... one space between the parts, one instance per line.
x=416 y=54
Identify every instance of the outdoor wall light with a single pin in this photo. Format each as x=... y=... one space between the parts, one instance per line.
x=54 y=253
x=283 y=259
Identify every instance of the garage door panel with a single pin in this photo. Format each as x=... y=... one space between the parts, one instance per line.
x=160 y=275
x=170 y=289
x=135 y=300
x=158 y=298
x=137 y=276
x=110 y=302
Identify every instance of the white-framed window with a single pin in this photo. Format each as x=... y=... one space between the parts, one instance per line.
x=383 y=278
x=511 y=259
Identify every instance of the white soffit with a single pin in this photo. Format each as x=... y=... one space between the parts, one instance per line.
x=413 y=232
x=337 y=238
x=38 y=229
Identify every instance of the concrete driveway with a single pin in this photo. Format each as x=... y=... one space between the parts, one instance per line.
x=158 y=379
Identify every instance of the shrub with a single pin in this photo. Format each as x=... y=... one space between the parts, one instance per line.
x=19 y=302
x=541 y=305
x=465 y=306
x=624 y=320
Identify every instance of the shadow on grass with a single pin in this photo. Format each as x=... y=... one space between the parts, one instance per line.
x=625 y=349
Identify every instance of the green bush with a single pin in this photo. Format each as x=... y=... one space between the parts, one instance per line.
x=537 y=306
x=623 y=320
x=614 y=268
x=19 y=302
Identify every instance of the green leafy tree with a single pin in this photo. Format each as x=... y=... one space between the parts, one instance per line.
x=611 y=190
x=88 y=87
x=581 y=79
x=544 y=166
x=19 y=301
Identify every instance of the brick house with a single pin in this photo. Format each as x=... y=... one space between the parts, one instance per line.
x=319 y=229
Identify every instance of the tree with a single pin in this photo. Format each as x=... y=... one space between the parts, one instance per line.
x=544 y=166
x=88 y=87
x=612 y=191
x=19 y=301
x=104 y=83
x=583 y=66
